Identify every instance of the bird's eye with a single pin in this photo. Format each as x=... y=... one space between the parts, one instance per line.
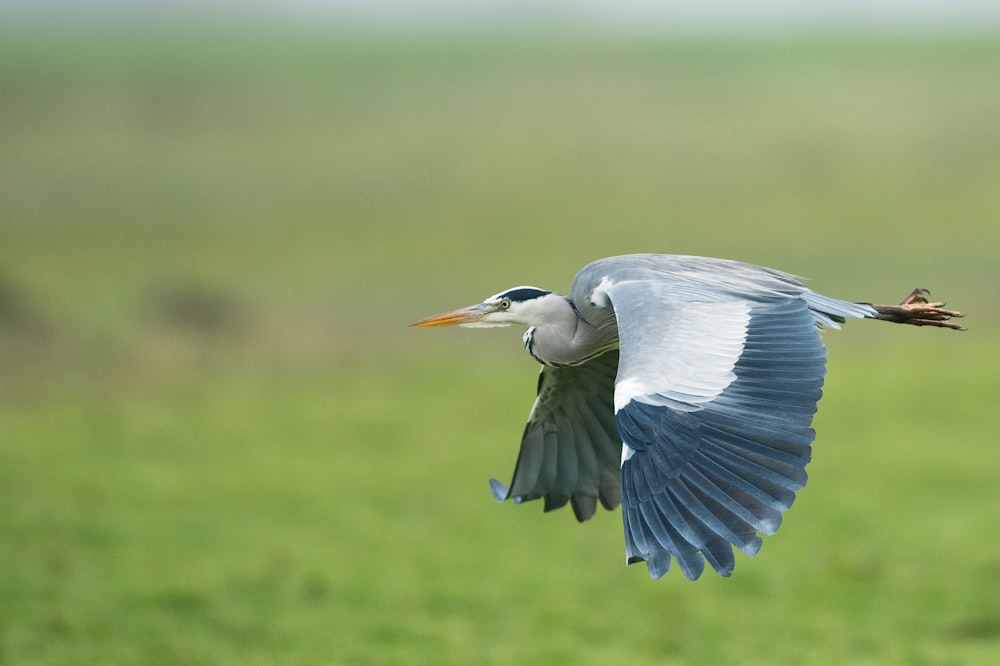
x=505 y=304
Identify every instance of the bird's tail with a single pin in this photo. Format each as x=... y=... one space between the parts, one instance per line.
x=832 y=312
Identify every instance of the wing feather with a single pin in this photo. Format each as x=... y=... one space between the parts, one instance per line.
x=568 y=461
x=570 y=450
x=546 y=483
x=721 y=437
x=765 y=504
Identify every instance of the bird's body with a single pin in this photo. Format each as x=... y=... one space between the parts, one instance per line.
x=682 y=387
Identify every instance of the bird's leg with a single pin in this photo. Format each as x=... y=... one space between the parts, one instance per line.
x=915 y=309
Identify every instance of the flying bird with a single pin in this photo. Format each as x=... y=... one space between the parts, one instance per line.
x=682 y=388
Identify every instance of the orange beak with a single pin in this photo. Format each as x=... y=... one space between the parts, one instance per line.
x=469 y=315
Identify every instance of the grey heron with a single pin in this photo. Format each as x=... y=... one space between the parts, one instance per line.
x=682 y=388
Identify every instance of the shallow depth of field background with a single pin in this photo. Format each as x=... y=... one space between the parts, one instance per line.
x=220 y=443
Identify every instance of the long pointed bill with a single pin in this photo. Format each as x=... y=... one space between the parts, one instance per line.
x=462 y=317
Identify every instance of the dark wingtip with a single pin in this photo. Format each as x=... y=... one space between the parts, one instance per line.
x=500 y=491
x=584 y=506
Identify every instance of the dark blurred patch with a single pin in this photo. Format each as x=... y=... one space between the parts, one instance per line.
x=982 y=628
x=20 y=313
x=32 y=346
x=199 y=309
x=181 y=601
x=315 y=587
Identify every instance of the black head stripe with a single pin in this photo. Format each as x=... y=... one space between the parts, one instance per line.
x=521 y=294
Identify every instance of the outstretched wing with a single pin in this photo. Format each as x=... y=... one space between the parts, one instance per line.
x=714 y=399
x=570 y=451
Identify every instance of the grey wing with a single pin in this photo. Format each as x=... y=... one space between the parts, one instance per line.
x=714 y=400
x=570 y=451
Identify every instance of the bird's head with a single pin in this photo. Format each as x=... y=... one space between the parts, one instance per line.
x=528 y=306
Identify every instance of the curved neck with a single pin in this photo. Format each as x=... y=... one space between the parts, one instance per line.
x=564 y=338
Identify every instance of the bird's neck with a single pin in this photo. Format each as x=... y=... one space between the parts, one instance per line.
x=563 y=337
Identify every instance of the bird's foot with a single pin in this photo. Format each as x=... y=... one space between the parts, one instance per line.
x=915 y=309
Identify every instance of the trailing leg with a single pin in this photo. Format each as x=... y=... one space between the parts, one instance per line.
x=916 y=310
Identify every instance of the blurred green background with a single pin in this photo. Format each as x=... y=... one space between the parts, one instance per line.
x=220 y=443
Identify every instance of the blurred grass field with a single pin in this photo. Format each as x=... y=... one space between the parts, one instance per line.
x=219 y=442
